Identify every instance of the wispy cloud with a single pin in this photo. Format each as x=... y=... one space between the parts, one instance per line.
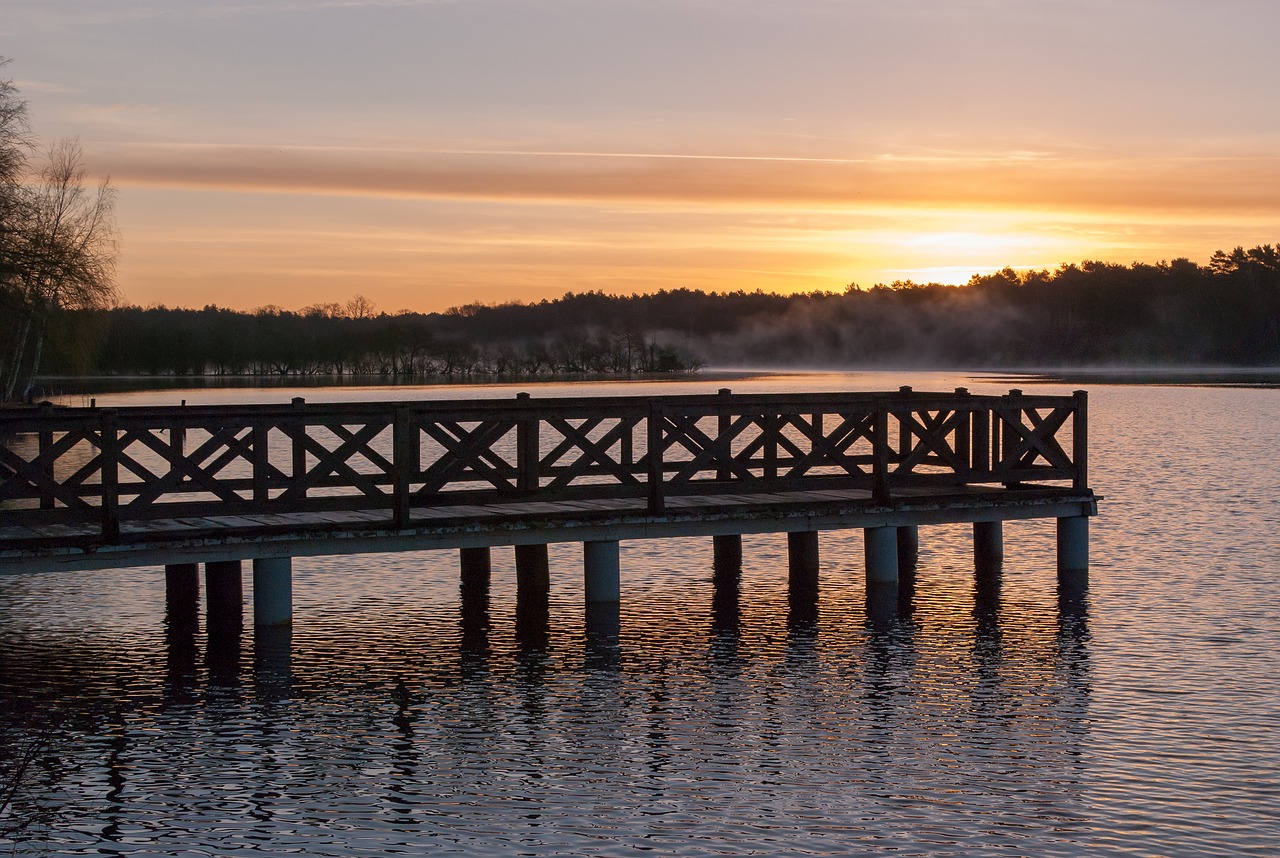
x=1033 y=180
x=26 y=15
x=43 y=86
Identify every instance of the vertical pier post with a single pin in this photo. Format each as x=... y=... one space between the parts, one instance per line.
x=533 y=570
x=182 y=592
x=528 y=449
x=224 y=590
x=726 y=579
x=802 y=583
x=601 y=572
x=476 y=567
x=880 y=551
x=988 y=545
x=802 y=557
x=533 y=589
x=224 y=618
x=473 y=596
x=603 y=620
x=908 y=547
x=272 y=591
x=1073 y=546
x=182 y=620
x=726 y=552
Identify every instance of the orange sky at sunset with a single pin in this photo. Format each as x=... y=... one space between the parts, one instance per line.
x=428 y=154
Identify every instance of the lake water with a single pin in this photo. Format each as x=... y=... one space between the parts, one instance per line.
x=1140 y=716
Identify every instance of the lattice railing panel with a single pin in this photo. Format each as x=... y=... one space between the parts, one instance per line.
x=109 y=465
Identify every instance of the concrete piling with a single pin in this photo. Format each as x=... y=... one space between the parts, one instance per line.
x=988 y=545
x=1073 y=545
x=272 y=591
x=601 y=571
x=880 y=551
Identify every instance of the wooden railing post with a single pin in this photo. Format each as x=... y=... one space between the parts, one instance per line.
x=626 y=449
x=773 y=425
x=657 y=504
x=402 y=465
x=45 y=449
x=260 y=434
x=109 y=456
x=982 y=419
x=723 y=422
x=964 y=448
x=298 y=470
x=177 y=441
x=905 y=435
x=880 y=452
x=527 y=447
x=1080 y=441
x=1011 y=414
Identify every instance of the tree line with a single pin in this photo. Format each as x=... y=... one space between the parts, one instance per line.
x=1179 y=313
x=1094 y=313
x=330 y=341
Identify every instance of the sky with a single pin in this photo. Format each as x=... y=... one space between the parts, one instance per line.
x=433 y=153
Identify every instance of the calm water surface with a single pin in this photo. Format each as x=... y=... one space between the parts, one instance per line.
x=1138 y=716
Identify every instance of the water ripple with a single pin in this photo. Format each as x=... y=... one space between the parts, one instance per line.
x=1135 y=717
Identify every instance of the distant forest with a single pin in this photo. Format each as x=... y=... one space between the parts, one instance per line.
x=1094 y=313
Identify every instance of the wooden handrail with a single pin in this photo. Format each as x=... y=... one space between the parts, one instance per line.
x=119 y=465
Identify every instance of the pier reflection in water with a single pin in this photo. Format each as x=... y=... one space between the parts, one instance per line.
x=717 y=703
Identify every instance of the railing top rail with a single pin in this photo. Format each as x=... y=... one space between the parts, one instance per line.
x=28 y=418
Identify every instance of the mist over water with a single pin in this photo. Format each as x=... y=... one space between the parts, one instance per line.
x=1137 y=715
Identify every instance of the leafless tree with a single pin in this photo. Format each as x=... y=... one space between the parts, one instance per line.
x=63 y=255
x=15 y=143
x=360 y=307
x=15 y=137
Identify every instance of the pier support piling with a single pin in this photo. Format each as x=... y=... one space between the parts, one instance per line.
x=182 y=621
x=601 y=572
x=802 y=582
x=473 y=598
x=272 y=591
x=802 y=555
x=908 y=547
x=224 y=590
x=224 y=619
x=880 y=550
x=726 y=550
x=533 y=570
x=182 y=593
x=988 y=545
x=476 y=566
x=1073 y=546
x=533 y=590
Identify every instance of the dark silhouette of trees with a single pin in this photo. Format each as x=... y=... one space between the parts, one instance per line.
x=1092 y=313
x=351 y=340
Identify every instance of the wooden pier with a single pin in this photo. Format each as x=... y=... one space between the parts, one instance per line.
x=93 y=488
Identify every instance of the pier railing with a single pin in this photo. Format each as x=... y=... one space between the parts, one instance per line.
x=108 y=466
